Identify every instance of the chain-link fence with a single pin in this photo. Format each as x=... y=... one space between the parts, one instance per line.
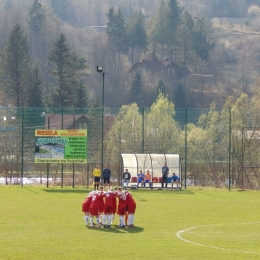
x=217 y=148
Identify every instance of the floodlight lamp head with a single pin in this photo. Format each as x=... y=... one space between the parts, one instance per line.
x=99 y=68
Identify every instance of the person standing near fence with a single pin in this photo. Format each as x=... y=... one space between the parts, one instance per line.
x=106 y=175
x=165 y=172
x=96 y=175
x=126 y=178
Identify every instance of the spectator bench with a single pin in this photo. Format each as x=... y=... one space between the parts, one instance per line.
x=156 y=183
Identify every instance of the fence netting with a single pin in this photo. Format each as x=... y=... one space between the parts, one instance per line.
x=218 y=148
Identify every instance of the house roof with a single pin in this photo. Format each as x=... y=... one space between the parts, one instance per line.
x=183 y=72
x=68 y=121
x=152 y=65
x=56 y=120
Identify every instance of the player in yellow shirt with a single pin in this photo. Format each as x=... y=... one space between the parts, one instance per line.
x=96 y=175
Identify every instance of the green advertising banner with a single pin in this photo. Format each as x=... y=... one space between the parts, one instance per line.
x=60 y=146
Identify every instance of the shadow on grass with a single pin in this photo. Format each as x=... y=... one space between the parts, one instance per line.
x=62 y=190
x=166 y=191
x=30 y=190
x=163 y=191
x=220 y=195
x=115 y=229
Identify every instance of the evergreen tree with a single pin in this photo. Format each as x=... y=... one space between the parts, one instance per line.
x=160 y=88
x=111 y=24
x=116 y=31
x=82 y=97
x=118 y=46
x=67 y=69
x=77 y=71
x=16 y=66
x=36 y=21
x=36 y=17
x=187 y=37
x=35 y=89
x=121 y=39
x=158 y=30
x=96 y=103
x=137 y=88
x=173 y=21
x=136 y=33
x=60 y=58
x=201 y=44
x=165 y=28
x=179 y=97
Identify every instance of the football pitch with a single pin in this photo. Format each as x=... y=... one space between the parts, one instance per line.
x=197 y=223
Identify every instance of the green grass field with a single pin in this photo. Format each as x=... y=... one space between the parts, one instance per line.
x=40 y=223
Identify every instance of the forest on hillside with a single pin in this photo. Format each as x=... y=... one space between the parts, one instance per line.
x=50 y=50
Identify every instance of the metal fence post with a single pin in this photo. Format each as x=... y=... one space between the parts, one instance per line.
x=22 y=147
x=186 y=122
x=48 y=165
x=73 y=165
x=62 y=175
x=229 y=150
x=242 y=168
x=143 y=129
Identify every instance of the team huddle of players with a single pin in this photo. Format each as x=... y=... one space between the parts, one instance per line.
x=103 y=205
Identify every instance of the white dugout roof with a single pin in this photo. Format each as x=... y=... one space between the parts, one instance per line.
x=153 y=162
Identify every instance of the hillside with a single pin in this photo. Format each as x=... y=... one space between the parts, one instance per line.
x=229 y=68
x=235 y=27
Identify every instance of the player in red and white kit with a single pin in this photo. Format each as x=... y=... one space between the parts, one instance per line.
x=96 y=202
x=86 y=206
x=131 y=206
x=108 y=207
x=114 y=204
x=101 y=208
x=121 y=207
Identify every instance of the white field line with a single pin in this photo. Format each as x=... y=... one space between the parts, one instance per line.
x=178 y=234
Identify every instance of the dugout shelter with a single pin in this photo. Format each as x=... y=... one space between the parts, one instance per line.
x=153 y=162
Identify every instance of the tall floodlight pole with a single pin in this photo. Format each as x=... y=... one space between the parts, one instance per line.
x=100 y=70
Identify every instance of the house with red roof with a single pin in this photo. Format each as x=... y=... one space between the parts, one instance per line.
x=160 y=68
